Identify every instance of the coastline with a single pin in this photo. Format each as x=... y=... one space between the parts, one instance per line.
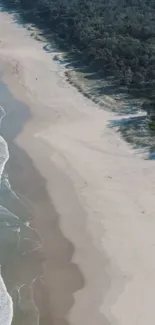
x=30 y=187
x=99 y=240
x=62 y=278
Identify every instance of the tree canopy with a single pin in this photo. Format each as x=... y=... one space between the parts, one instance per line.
x=115 y=36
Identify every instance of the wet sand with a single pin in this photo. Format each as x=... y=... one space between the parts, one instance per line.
x=51 y=264
x=61 y=277
x=91 y=195
x=33 y=176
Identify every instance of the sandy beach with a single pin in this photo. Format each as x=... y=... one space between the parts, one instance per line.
x=96 y=216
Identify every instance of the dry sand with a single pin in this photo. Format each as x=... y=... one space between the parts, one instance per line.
x=103 y=192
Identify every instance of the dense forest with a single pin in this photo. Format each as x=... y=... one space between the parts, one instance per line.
x=114 y=36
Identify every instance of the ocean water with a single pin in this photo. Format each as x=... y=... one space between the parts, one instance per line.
x=20 y=244
x=6 y=303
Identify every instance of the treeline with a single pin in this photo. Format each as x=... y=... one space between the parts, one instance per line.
x=116 y=37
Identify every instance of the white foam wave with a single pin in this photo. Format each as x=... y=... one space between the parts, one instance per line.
x=2 y=113
x=4 y=155
x=7 y=184
x=6 y=303
x=4 y=152
x=5 y=212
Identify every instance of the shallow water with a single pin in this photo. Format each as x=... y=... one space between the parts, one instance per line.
x=19 y=243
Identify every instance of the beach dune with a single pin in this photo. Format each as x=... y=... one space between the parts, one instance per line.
x=101 y=190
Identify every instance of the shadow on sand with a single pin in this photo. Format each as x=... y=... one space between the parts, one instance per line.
x=135 y=130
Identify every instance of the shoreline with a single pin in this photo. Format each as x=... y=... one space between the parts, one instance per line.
x=64 y=280
x=65 y=247
x=30 y=186
x=102 y=192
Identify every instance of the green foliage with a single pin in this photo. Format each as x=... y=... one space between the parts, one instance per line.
x=116 y=36
x=151 y=125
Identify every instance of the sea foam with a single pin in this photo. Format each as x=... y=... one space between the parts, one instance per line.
x=6 y=303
